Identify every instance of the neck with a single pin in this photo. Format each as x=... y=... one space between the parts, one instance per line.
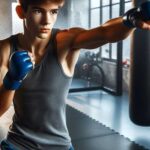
x=34 y=45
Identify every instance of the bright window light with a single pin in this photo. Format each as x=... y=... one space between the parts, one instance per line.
x=17 y=24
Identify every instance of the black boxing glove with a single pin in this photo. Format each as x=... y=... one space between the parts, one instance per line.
x=132 y=16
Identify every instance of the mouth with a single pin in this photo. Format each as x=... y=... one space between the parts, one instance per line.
x=44 y=30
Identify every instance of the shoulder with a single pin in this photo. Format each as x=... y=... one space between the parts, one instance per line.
x=4 y=44
x=71 y=31
x=66 y=36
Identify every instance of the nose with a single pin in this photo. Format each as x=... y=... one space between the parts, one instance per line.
x=46 y=18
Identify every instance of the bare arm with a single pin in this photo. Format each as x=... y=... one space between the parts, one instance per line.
x=112 y=31
x=6 y=96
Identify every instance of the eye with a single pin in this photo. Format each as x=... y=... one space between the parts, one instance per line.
x=53 y=12
x=37 y=11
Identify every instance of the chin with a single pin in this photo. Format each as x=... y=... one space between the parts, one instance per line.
x=43 y=36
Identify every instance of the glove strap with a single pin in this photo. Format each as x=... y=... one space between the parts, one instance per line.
x=129 y=18
x=11 y=84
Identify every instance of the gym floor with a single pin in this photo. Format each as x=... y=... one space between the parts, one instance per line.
x=111 y=111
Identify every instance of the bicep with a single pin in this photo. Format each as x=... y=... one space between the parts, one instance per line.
x=3 y=69
x=90 y=39
x=4 y=58
x=78 y=38
x=110 y=32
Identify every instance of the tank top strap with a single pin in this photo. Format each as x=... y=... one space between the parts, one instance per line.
x=13 y=43
x=54 y=42
x=54 y=33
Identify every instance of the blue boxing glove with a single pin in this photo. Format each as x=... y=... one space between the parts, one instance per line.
x=19 y=66
x=131 y=17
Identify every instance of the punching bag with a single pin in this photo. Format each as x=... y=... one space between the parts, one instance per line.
x=139 y=105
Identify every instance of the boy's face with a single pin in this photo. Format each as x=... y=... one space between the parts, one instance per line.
x=40 y=19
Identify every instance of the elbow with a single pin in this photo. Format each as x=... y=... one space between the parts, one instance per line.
x=4 y=107
x=114 y=35
x=3 y=110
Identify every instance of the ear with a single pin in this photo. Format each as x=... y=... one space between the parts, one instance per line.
x=20 y=11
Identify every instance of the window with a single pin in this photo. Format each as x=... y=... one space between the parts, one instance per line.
x=115 y=1
x=95 y=3
x=95 y=21
x=17 y=25
x=100 y=12
x=126 y=42
x=105 y=14
x=104 y=10
x=115 y=13
x=105 y=2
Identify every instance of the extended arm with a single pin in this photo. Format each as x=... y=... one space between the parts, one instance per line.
x=112 y=31
x=115 y=29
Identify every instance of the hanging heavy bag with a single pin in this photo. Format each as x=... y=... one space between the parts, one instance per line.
x=139 y=105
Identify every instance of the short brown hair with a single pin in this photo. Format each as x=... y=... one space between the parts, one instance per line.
x=26 y=3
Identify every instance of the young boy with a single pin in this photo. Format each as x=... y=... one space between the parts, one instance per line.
x=36 y=69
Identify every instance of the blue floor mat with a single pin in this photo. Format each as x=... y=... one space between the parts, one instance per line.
x=88 y=134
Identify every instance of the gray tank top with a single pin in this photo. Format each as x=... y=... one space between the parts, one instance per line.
x=39 y=122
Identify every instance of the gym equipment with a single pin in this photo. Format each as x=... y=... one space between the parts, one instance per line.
x=139 y=106
x=132 y=16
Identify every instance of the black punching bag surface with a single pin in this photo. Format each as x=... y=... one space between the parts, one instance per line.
x=139 y=106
